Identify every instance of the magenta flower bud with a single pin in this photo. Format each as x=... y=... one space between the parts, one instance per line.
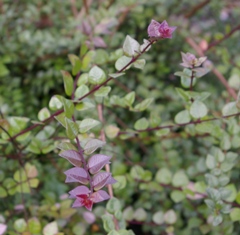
x=160 y=30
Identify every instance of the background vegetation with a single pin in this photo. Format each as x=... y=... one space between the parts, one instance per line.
x=163 y=173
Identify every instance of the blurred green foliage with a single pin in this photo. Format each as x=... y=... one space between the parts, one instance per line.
x=162 y=175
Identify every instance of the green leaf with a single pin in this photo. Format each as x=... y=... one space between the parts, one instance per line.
x=3 y=70
x=17 y=124
x=217 y=220
x=79 y=229
x=83 y=79
x=113 y=232
x=76 y=64
x=87 y=59
x=68 y=106
x=20 y=225
x=101 y=57
x=83 y=50
x=33 y=183
x=201 y=96
x=170 y=217
x=128 y=213
x=198 y=109
x=111 y=131
x=34 y=226
x=155 y=119
x=183 y=94
x=225 y=143
x=162 y=132
x=140 y=214
x=143 y=105
x=139 y=64
x=92 y=145
x=122 y=62
x=164 y=176
x=3 y=192
x=88 y=124
x=81 y=91
x=131 y=47
x=210 y=203
x=96 y=75
x=182 y=117
x=103 y=91
x=204 y=127
x=235 y=214
x=71 y=128
x=66 y=146
x=177 y=196
x=115 y=75
x=223 y=180
x=211 y=162
x=68 y=82
x=34 y=146
x=141 y=124
x=230 y=109
x=108 y=223
x=186 y=78
x=43 y=114
x=20 y=175
x=55 y=103
x=180 y=179
x=84 y=105
x=158 y=217
x=10 y=185
x=50 y=228
x=121 y=182
x=233 y=194
x=113 y=205
x=129 y=98
x=137 y=172
x=61 y=119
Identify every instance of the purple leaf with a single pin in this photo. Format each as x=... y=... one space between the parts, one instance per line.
x=99 y=42
x=157 y=30
x=97 y=162
x=101 y=179
x=78 y=191
x=70 y=180
x=100 y=196
x=89 y=217
x=77 y=203
x=111 y=180
x=72 y=156
x=76 y=174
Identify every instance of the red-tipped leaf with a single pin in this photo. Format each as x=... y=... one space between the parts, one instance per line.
x=72 y=156
x=78 y=191
x=97 y=162
x=77 y=174
x=101 y=179
x=100 y=196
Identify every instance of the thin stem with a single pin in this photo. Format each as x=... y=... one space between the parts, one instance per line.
x=191 y=83
x=184 y=124
x=80 y=150
x=215 y=43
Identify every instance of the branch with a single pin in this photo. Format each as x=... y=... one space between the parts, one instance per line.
x=215 y=43
x=184 y=124
x=196 y=8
